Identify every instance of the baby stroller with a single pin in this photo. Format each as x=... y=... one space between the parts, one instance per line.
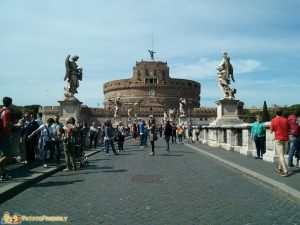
x=80 y=158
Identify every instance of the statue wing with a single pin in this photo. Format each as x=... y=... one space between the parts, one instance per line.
x=67 y=64
x=230 y=71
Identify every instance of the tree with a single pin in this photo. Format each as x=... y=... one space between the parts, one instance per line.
x=265 y=113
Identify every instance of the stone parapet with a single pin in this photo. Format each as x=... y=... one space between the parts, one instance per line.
x=237 y=137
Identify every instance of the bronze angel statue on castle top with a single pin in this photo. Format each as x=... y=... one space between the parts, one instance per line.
x=73 y=76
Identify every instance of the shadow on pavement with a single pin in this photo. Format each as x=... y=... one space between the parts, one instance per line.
x=114 y=171
x=56 y=183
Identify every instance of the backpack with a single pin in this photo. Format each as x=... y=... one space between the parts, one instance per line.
x=71 y=134
x=180 y=131
x=1 y=120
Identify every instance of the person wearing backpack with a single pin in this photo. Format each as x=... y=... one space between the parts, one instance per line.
x=180 y=132
x=5 y=136
x=69 y=141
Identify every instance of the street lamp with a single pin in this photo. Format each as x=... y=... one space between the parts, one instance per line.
x=190 y=104
x=109 y=105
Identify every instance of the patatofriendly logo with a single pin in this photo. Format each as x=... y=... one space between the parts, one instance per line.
x=17 y=218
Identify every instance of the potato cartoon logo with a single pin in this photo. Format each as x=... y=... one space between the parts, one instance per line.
x=17 y=219
x=6 y=219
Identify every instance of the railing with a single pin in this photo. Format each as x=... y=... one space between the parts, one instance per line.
x=238 y=138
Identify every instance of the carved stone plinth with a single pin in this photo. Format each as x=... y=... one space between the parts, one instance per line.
x=183 y=120
x=69 y=109
x=116 y=121
x=227 y=112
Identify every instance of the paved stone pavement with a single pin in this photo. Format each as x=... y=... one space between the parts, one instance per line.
x=186 y=186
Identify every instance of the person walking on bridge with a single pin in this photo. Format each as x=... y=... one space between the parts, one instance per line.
x=280 y=126
x=152 y=135
x=168 y=134
x=109 y=137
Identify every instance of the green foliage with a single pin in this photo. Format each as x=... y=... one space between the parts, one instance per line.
x=265 y=113
x=31 y=109
x=249 y=117
x=18 y=111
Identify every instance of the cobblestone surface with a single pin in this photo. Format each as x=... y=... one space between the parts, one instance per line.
x=182 y=187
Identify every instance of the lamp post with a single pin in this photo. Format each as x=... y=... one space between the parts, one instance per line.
x=109 y=105
x=190 y=105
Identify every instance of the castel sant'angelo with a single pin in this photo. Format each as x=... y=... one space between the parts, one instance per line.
x=149 y=91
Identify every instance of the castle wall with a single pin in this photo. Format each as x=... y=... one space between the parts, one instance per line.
x=151 y=83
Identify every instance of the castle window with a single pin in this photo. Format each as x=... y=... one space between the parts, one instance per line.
x=189 y=84
x=146 y=81
x=155 y=81
x=151 y=81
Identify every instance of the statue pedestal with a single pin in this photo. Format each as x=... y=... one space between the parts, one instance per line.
x=69 y=109
x=116 y=121
x=227 y=112
x=183 y=120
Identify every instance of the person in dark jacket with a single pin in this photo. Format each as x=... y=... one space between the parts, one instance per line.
x=168 y=134
x=27 y=128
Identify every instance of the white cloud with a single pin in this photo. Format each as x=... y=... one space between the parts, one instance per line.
x=205 y=68
x=246 y=66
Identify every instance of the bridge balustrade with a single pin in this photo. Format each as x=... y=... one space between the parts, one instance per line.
x=237 y=137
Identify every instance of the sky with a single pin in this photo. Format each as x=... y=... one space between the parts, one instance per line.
x=262 y=38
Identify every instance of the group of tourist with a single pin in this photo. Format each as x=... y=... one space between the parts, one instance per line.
x=171 y=132
x=48 y=138
x=287 y=133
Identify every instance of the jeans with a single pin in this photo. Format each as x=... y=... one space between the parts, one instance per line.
x=179 y=139
x=294 y=148
x=143 y=139
x=167 y=140
x=107 y=143
x=43 y=154
x=57 y=146
x=121 y=142
x=260 y=146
